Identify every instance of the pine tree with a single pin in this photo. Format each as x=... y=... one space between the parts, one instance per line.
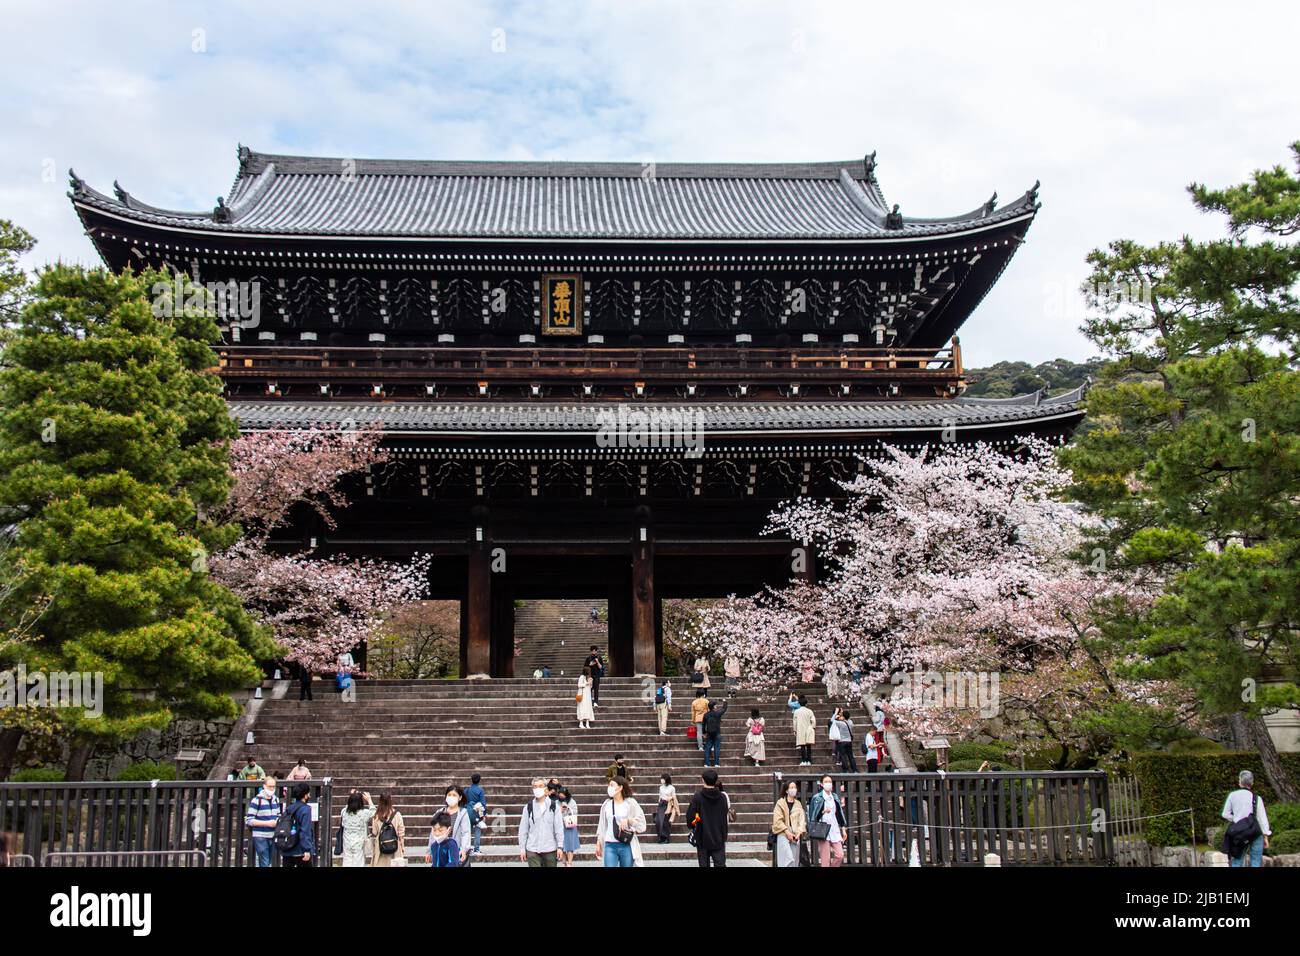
x=113 y=455
x=1193 y=457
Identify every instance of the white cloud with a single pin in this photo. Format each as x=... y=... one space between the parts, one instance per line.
x=1115 y=107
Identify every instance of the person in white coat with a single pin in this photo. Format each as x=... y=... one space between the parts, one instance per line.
x=621 y=820
x=586 y=710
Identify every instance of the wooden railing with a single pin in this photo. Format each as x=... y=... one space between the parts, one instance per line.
x=161 y=823
x=955 y=819
x=543 y=364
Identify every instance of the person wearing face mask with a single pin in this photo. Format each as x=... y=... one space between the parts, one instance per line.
x=263 y=814
x=666 y=810
x=355 y=823
x=709 y=817
x=789 y=824
x=462 y=821
x=443 y=850
x=827 y=824
x=569 y=814
x=541 y=828
x=621 y=819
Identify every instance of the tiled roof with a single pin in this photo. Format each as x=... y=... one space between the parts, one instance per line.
x=309 y=196
x=549 y=418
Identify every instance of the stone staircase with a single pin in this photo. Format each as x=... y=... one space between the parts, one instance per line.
x=558 y=633
x=412 y=738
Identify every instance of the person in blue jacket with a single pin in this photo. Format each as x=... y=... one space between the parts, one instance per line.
x=443 y=850
x=302 y=852
x=476 y=797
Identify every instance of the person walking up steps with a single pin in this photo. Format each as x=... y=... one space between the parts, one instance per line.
x=755 y=742
x=597 y=671
x=709 y=817
x=663 y=705
x=699 y=707
x=713 y=731
x=476 y=797
x=586 y=705
x=805 y=731
x=388 y=831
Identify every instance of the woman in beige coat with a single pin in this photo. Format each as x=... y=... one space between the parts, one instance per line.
x=789 y=824
x=385 y=813
x=805 y=732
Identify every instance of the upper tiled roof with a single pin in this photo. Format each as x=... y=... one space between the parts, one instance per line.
x=309 y=196
x=550 y=418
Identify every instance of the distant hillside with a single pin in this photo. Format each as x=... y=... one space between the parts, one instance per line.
x=1016 y=378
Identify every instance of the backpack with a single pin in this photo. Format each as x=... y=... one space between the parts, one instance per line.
x=659 y=696
x=1240 y=835
x=388 y=841
x=756 y=728
x=286 y=829
x=697 y=677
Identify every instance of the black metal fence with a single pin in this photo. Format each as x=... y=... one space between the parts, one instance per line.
x=165 y=823
x=956 y=819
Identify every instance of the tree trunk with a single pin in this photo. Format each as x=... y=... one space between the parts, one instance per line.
x=9 y=739
x=1239 y=732
x=1278 y=778
x=78 y=756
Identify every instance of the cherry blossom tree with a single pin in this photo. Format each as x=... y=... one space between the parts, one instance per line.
x=942 y=568
x=318 y=607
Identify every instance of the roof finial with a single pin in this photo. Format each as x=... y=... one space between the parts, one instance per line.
x=222 y=212
x=991 y=205
x=76 y=182
x=245 y=157
x=1033 y=193
x=122 y=195
x=869 y=164
x=894 y=220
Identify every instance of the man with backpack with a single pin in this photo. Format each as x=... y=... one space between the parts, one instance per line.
x=663 y=704
x=709 y=817
x=597 y=672
x=262 y=817
x=1246 y=837
x=541 y=828
x=712 y=725
x=294 y=835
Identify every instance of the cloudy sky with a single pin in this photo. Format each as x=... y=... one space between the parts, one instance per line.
x=1115 y=107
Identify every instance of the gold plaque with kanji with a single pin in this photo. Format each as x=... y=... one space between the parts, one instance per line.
x=561 y=305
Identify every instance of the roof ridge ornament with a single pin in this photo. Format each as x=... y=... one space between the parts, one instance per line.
x=76 y=182
x=895 y=219
x=869 y=164
x=991 y=204
x=122 y=195
x=245 y=158
x=222 y=212
x=1033 y=193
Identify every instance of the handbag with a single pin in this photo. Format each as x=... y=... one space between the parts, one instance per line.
x=621 y=835
x=338 y=841
x=1238 y=837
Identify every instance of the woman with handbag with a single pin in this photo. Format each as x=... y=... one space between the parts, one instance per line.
x=621 y=819
x=789 y=824
x=755 y=742
x=664 y=812
x=388 y=831
x=827 y=823
x=354 y=825
x=569 y=816
x=586 y=712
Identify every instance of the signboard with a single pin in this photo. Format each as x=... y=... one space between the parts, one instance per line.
x=562 y=304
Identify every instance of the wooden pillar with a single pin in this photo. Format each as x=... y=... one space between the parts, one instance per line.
x=619 y=629
x=503 y=627
x=644 y=644
x=478 y=602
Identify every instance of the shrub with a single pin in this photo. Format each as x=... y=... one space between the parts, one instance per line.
x=148 y=770
x=1287 y=841
x=1283 y=816
x=38 y=775
x=1171 y=782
